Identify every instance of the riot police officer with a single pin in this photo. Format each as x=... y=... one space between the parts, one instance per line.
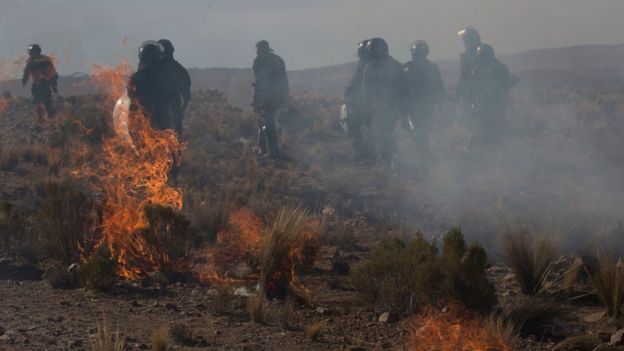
x=491 y=82
x=150 y=89
x=468 y=59
x=270 y=95
x=426 y=91
x=358 y=117
x=41 y=70
x=384 y=87
x=181 y=82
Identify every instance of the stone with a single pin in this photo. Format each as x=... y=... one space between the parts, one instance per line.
x=386 y=317
x=593 y=317
x=323 y=311
x=617 y=338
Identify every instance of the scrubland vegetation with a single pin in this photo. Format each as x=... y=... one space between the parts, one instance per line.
x=334 y=253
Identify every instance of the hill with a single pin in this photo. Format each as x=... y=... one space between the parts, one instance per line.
x=572 y=67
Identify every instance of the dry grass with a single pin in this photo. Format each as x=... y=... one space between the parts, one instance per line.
x=529 y=258
x=258 y=308
x=608 y=281
x=160 y=339
x=535 y=316
x=497 y=324
x=106 y=339
x=314 y=331
x=286 y=234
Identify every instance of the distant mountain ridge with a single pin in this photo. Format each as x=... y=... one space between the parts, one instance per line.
x=572 y=66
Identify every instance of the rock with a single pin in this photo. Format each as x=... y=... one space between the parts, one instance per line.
x=509 y=277
x=386 y=317
x=65 y=303
x=593 y=317
x=171 y=306
x=135 y=303
x=617 y=338
x=76 y=343
x=143 y=347
x=73 y=268
x=323 y=311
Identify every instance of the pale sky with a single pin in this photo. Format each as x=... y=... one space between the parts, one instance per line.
x=306 y=33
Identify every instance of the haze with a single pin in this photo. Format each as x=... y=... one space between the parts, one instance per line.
x=221 y=33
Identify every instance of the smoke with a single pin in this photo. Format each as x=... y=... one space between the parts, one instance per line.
x=552 y=171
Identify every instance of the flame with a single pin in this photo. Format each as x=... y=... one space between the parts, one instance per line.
x=454 y=330
x=129 y=177
x=239 y=243
x=236 y=244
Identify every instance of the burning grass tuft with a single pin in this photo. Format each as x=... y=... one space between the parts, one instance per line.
x=529 y=258
x=106 y=339
x=453 y=329
x=282 y=248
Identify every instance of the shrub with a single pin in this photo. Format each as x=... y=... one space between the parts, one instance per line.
x=529 y=258
x=399 y=278
x=168 y=237
x=67 y=223
x=99 y=271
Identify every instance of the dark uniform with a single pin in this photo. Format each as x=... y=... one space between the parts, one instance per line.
x=467 y=62
x=150 y=88
x=358 y=116
x=491 y=82
x=270 y=94
x=384 y=87
x=426 y=91
x=40 y=69
x=181 y=82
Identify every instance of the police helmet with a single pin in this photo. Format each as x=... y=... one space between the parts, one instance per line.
x=485 y=51
x=361 y=49
x=150 y=51
x=34 y=49
x=470 y=36
x=420 y=48
x=377 y=48
x=263 y=46
x=167 y=46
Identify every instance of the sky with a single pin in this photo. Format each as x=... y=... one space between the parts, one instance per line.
x=306 y=33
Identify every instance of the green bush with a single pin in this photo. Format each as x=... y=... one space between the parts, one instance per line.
x=67 y=223
x=169 y=239
x=399 y=277
x=99 y=271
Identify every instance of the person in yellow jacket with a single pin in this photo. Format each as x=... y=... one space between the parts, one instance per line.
x=40 y=69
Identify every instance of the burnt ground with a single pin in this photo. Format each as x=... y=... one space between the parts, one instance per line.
x=323 y=176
